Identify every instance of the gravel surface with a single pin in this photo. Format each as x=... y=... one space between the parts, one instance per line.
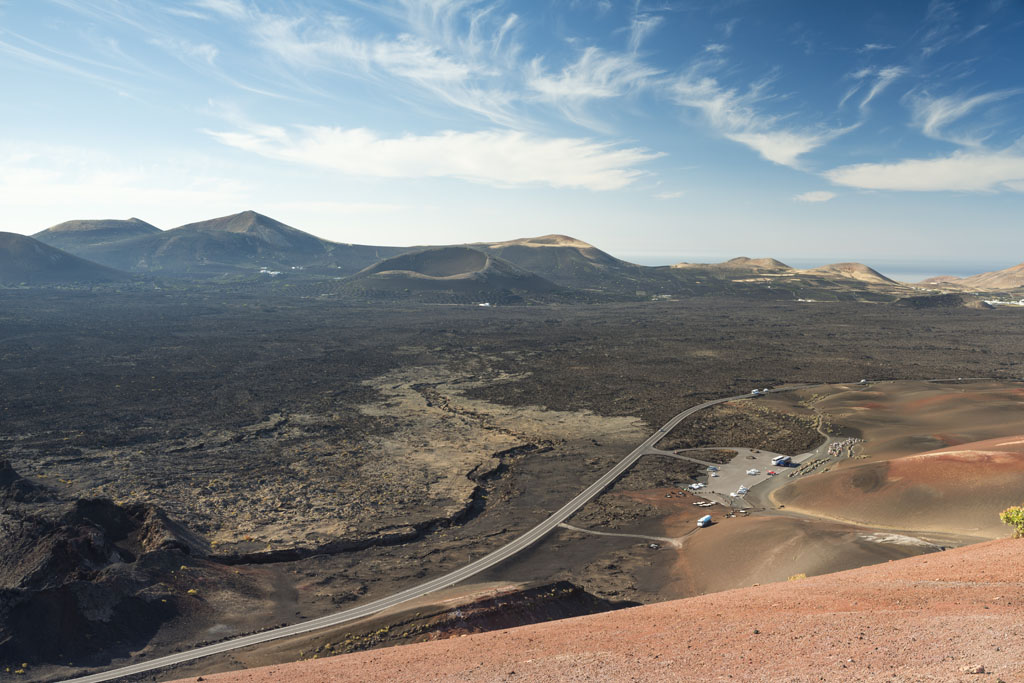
x=951 y=616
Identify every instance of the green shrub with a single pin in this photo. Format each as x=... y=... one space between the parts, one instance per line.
x=1014 y=516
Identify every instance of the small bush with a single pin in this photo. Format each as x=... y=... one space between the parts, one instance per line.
x=1014 y=516
x=797 y=577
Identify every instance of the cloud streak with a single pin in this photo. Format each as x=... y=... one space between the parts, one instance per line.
x=935 y=115
x=816 y=197
x=500 y=158
x=959 y=172
x=736 y=116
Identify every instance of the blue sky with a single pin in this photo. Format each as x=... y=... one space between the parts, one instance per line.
x=655 y=130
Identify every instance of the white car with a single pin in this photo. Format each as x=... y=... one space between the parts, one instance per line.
x=753 y=472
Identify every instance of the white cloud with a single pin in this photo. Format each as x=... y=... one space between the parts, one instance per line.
x=715 y=48
x=815 y=197
x=784 y=147
x=885 y=77
x=670 y=195
x=501 y=158
x=643 y=25
x=734 y=115
x=933 y=115
x=596 y=74
x=453 y=50
x=984 y=171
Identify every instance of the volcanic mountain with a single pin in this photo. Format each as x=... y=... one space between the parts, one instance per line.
x=571 y=263
x=741 y=263
x=455 y=269
x=86 y=234
x=239 y=243
x=29 y=261
x=855 y=271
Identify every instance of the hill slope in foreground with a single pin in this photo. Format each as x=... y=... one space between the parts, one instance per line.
x=947 y=616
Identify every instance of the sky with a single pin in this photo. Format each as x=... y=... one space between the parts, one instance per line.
x=888 y=132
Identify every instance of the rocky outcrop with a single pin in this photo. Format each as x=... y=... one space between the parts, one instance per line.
x=82 y=580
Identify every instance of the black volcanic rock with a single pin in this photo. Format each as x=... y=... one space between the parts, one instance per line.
x=80 y=577
x=24 y=260
x=949 y=300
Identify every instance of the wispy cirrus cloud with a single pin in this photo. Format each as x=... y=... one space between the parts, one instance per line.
x=935 y=115
x=501 y=158
x=884 y=77
x=595 y=75
x=203 y=52
x=455 y=50
x=641 y=27
x=232 y=9
x=736 y=116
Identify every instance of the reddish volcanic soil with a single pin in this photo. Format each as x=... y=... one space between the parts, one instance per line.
x=937 y=617
x=958 y=490
x=905 y=418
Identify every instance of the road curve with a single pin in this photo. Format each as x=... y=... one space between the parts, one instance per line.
x=450 y=579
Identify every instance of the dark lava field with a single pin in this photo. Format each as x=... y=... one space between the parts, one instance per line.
x=202 y=465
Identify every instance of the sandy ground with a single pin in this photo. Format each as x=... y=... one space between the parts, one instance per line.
x=904 y=418
x=957 y=489
x=933 y=618
x=742 y=552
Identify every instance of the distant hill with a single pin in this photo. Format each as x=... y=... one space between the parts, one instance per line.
x=939 y=279
x=458 y=270
x=29 y=261
x=573 y=263
x=856 y=271
x=1007 y=278
x=91 y=239
x=741 y=263
x=239 y=243
x=107 y=229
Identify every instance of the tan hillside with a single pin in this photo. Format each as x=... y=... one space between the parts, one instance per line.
x=948 y=616
x=856 y=271
x=740 y=263
x=1008 y=278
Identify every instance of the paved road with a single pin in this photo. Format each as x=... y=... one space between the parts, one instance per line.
x=471 y=569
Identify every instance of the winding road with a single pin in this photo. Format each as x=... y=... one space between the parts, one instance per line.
x=486 y=562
